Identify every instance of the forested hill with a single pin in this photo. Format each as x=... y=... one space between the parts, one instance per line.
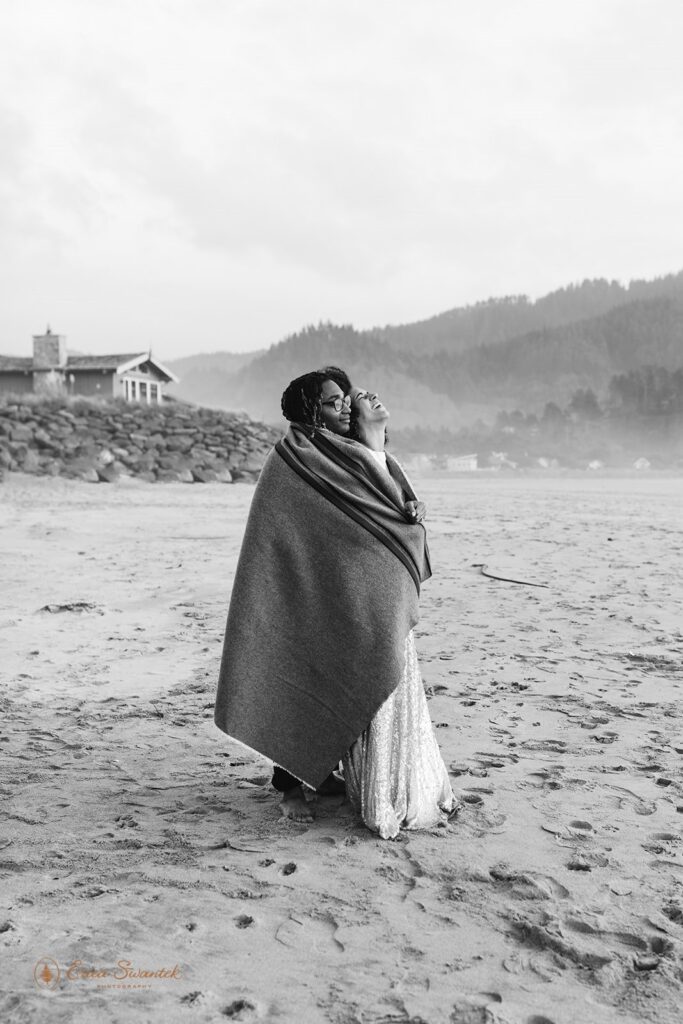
x=453 y=387
x=498 y=320
x=369 y=362
x=550 y=365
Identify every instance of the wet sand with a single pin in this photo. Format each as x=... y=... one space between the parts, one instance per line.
x=133 y=830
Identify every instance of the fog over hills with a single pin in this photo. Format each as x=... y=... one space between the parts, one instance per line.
x=467 y=363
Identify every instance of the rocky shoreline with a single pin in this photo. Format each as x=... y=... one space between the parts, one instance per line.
x=100 y=441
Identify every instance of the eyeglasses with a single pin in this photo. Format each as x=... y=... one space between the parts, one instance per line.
x=338 y=403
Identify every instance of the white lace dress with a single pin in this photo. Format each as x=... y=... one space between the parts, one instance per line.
x=394 y=773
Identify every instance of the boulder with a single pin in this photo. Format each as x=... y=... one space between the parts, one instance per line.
x=31 y=462
x=241 y=476
x=89 y=475
x=74 y=467
x=253 y=463
x=107 y=474
x=43 y=439
x=21 y=432
x=204 y=476
x=180 y=443
x=170 y=462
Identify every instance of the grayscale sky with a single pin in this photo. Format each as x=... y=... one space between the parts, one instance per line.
x=198 y=175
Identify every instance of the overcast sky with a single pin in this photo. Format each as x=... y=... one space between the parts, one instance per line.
x=195 y=175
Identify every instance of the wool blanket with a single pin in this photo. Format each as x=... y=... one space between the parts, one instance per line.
x=325 y=592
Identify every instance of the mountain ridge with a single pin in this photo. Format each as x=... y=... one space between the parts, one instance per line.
x=450 y=387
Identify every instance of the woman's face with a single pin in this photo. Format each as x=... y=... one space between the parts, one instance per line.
x=338 y=420
x=367 y=407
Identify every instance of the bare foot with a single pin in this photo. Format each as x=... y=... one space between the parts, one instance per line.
x=293 y=805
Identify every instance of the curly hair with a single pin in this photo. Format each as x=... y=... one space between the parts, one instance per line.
x=339 y=376
x=301 y=400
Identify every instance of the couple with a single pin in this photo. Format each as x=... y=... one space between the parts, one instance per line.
x=319 y=662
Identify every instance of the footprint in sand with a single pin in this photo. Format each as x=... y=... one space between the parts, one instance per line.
x=193 y=999
x=496 y=760
x=661 y=842
x=581 y=826
x=587 y=861
x=309 y=935
x=659 y=948
x=239 y=1009
x=627 y=796
x=544 y=939
x=546 y=778
x=674 y=911
x=551 y=745
x=464 y=1012
x=605 y=737
x=126 y=821
x=651 y=768
x=528 y=885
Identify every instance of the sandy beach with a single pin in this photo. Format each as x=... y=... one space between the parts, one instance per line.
x=135 y=834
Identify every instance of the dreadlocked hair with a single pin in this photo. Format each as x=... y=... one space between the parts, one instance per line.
x=302 y=399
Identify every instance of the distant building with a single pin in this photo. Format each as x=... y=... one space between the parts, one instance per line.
x=500 y=460
x=134 y=376
x=462 y=463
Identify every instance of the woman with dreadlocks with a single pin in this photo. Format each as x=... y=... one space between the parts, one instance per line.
x=325 y=594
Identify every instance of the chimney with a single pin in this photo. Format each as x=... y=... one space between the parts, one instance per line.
x=49 y=351
x=49 y=363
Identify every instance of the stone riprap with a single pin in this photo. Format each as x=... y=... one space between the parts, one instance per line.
x=102 y=441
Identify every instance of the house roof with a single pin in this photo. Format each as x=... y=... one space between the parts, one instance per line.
x=120 y=362
x=79 y=362
x=14 y=364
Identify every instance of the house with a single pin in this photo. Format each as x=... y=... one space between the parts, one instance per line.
x=462 y=463
x=51 y=370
